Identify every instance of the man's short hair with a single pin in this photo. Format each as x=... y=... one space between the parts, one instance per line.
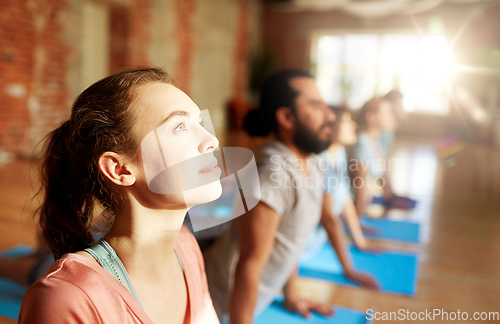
x=276 y=92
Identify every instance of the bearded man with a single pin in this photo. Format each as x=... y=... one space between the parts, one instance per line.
x=258 y=257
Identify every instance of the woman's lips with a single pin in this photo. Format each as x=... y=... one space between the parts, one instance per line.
x=211 y=168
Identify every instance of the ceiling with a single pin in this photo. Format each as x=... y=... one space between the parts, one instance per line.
x=370 y=8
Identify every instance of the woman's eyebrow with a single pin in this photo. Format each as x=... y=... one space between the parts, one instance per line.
x=173 y=114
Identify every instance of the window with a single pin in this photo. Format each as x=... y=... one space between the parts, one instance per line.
x=352 y=68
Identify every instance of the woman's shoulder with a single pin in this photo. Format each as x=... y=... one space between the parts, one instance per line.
x=75 y=268
x=75 y=272
x=363 y=139
x=78 y=288
x=362 y=149
x=65 y=286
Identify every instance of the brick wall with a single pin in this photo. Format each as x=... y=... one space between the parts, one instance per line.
x=129 y=34
x=204 y=50
x=199 y=42
x=119 y=32
x=241 y=52
x=139 y=39
x=33 y=87
x=184 y=42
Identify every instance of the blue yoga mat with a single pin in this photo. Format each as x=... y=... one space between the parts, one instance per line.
x=402 y=231
x=395 y=271
x=277 y=314
x=381 y=201
x=11 y=293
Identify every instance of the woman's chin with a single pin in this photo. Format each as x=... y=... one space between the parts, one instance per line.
x=203 y=194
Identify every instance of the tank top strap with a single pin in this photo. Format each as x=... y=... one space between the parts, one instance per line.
x=106 y=256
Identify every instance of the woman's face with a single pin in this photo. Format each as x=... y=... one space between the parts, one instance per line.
x=345 y=134
x=385 y=116
x=179 y=168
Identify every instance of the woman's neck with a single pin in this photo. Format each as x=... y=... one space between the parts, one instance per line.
x=373 y=133
x=142 y=236
x=334 y=149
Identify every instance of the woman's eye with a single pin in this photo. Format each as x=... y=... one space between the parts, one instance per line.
x=180 y=127
x=202 y=123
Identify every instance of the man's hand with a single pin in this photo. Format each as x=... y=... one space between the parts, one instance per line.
x=365 y=280
x=304 y=307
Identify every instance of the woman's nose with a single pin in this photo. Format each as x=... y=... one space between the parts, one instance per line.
x=208 y=142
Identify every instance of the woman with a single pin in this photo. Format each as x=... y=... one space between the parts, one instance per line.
x=337 y=183
x=344 y=135
x=98 y=160
x=367 y=161
x=395 y=98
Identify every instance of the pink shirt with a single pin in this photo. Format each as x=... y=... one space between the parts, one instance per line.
x=78 y=290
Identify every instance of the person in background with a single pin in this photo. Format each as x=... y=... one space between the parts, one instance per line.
x=368 y=164
x=147 y=268
x=337 y=183
x=258 y=257
x=387 y=136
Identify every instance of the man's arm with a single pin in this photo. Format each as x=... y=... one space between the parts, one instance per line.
x=334 y=229
x=256 y=230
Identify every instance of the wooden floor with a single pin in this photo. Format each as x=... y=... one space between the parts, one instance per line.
x=458 y=206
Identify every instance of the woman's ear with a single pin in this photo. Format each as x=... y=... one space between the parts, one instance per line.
x=113 y=166
x=285 y=118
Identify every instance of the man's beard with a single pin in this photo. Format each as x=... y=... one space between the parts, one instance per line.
x=308 y=140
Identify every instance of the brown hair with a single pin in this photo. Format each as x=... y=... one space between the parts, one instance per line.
x=371 y=106
x=339 y=111
x=72 y=183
